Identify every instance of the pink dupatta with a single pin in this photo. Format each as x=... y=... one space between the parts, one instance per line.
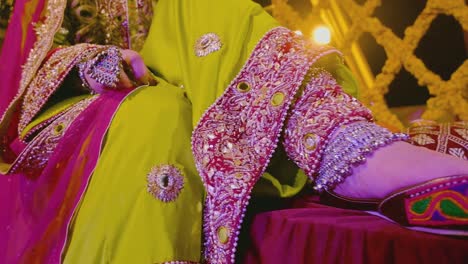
x=35 y=212
x=19 y=40
x=35 y=217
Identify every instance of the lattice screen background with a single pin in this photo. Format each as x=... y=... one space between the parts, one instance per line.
x=349 y=20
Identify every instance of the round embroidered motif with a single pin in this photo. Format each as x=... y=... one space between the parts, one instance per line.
x=223 y=234
x=165 y=182
x=243 y=87
x=310 y=141
x=58 y=129
x=277 y=99
x=206 y=44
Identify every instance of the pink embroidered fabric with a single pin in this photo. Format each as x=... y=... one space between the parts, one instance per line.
x=34 y=222
x=56 y=68
x=35 y=156
x=236 y=137
x=323 y=109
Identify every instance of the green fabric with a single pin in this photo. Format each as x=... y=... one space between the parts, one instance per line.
x=178 y=24
x=240 y=24
x=118 y=220
x=333 y=63
x=169 y=52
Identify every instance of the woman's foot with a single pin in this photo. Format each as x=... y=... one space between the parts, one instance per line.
x=397 y=166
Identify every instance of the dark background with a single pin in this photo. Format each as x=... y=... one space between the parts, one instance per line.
x=442 y=49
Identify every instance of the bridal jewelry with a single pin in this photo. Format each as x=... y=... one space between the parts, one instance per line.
x=104 y=68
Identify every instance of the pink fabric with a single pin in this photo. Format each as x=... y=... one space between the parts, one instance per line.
x=35 y=213
x=17 y=146
x=236 y=137
x=314 y=233
x=16 y=46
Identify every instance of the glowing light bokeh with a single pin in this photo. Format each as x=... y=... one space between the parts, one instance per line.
x=321 y=35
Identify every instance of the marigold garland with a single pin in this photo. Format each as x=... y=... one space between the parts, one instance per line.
x=449 y=98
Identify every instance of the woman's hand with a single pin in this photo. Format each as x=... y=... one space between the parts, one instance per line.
x=139 y=71
x=133 y=73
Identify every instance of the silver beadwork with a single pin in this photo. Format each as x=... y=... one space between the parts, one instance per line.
x=348 y=148
x=81 y=72
x=165 y=182
x=104 y=68
x=206 y=44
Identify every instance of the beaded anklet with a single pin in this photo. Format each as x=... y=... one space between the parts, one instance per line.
x=348 y=148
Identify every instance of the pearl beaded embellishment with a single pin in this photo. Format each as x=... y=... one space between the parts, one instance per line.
x=165 y=182
x=206 y=44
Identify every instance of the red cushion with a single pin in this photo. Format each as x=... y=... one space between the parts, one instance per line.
x=314 y=233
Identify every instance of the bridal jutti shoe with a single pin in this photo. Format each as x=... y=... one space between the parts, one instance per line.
x=437 y=206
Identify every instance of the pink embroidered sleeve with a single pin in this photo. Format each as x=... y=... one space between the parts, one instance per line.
x=329 y=131
x=236 y=137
